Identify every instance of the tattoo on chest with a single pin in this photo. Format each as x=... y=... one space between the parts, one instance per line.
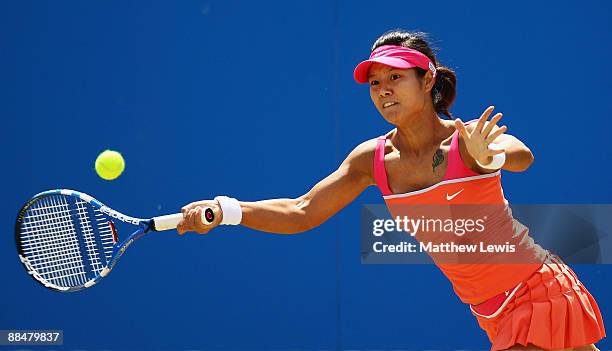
x=438 y=158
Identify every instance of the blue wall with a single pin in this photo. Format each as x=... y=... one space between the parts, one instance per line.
x=256 y=100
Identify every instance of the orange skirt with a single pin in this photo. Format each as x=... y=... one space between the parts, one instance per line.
x=551 y=310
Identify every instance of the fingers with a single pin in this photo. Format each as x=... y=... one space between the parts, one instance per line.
x=185 y=209
x=184 y=225
x=180 y=228
x=489 y=126
x=483 y=118
x=188 y=224
x=192 y=217
x=461 y=128
x=496 y=133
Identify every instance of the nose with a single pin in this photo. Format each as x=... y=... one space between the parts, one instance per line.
x=384 y=92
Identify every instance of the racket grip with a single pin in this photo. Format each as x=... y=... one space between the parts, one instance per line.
x=169 y=222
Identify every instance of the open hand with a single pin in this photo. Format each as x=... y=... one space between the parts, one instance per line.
x=477 y=142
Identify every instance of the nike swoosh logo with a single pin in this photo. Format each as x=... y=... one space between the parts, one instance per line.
x=450 y=197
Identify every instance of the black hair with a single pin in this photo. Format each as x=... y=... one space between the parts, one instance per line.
x=443 y=92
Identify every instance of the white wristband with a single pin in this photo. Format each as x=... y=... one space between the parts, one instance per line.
x=498 y=159
x=232 y=213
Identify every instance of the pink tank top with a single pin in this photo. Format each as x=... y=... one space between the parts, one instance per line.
x=472 y=282
x=455 y=169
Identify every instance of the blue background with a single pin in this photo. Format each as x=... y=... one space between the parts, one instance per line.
x=256 y=100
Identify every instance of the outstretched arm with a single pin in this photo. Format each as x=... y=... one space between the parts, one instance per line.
x=289 y=216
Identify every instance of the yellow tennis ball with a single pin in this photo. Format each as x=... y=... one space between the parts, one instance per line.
x=109 y=165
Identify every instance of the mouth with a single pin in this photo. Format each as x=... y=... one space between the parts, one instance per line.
x=389 y=104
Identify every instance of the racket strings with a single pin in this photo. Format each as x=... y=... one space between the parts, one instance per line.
x=106 y=234
x=88 y=236
x=67 y=268
x=50 y=244
x=65 y=241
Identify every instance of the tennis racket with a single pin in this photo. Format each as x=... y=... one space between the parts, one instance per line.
x=68 y=241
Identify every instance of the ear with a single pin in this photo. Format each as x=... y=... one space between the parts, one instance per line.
x=429 y=81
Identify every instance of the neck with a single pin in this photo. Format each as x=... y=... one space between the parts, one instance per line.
x=417 y=133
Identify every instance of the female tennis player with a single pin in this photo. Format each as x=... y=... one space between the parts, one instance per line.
x=427 y=159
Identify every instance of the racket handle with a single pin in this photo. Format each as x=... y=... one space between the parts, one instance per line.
x=169 y=222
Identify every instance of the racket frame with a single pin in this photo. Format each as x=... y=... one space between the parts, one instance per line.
x=144 y=226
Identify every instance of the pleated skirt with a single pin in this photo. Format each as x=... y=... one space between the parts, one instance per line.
x=551 y=310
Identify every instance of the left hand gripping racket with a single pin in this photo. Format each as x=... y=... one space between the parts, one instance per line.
x=67 y=240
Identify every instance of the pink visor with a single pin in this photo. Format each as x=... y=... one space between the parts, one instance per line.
x=393 y=56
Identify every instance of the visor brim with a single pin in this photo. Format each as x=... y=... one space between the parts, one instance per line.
x=361 y=71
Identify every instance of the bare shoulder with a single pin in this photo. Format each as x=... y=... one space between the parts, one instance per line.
x=361 y=159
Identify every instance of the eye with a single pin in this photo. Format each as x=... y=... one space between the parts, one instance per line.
x=373 y=82
x=395 y=76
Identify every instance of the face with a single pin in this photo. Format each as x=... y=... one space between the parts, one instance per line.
x=398 y=94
